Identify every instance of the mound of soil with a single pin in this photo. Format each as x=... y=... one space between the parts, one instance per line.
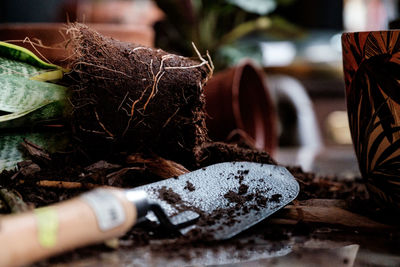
x=128 y=95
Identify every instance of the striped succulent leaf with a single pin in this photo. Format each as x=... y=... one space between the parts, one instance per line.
x=27 y=97
x=24 y=89
x=18 y=94
x=10 y=148
x=22 y=54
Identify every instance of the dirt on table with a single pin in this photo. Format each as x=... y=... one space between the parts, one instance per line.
x=68 y=168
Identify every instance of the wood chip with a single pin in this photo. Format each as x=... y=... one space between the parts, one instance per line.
x=159 y=166
x=13 y=201
x=327 y=215
x=36 y=151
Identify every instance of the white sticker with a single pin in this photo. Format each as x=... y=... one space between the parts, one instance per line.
x=107 y=207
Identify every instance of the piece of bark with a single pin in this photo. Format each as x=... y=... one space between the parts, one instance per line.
x=327 y=215
x=159 y=166
x=36 y=151
x=115 y=178
x=321 y=202
x=101 y=165
x=13 y=201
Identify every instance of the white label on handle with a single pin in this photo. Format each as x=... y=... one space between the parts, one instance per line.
x=107 y=207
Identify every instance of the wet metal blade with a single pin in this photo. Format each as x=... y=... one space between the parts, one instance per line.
x=234 y=195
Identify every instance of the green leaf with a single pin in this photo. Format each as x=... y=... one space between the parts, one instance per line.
x=261 y=7
x=17 y=68
x=46 y=113
x=11 y=154
x=22 y=54
x=19 y=94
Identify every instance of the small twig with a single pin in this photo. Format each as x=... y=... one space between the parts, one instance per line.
x=65 y=184
x=13 y=201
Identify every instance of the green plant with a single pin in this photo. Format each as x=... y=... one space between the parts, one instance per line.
x=28 y=96
x=220 y=26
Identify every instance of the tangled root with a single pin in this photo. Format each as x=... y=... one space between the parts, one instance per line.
x=142 y=97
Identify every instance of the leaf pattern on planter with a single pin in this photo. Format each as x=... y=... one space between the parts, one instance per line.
x=371 y=62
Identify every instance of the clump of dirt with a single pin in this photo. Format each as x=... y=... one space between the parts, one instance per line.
x=128 y=95
x=216 y=152
x=169 y=195
x=235 y=197
x=275 y=198
x=189 y=186
x=243 y=189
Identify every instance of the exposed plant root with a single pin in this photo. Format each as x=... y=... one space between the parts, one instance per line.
x=145 y=98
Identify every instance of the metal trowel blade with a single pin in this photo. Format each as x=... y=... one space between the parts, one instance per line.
x=213 y=192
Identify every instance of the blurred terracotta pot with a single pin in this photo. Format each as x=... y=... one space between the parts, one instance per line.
x=238 y=101
x=53 y=37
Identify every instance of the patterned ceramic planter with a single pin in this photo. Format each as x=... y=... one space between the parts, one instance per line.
x=371 y=63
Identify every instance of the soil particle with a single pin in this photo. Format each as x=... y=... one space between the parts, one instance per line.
x=275 y=198
x=169 y=195
x=189 y=186
x=243 y=189
x=234 y=197
x=262 y=201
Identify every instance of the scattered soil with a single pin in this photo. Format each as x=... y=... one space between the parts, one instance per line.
x=189 y=186
x=68 y=167
x=243 y=189
x=169 y=195
x=235 y=197
x=275 y=198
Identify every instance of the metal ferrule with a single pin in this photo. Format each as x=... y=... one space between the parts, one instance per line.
x=140 y=200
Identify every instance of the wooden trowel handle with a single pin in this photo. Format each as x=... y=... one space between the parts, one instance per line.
x=93 y=217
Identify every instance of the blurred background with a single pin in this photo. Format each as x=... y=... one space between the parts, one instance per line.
x=294 y=47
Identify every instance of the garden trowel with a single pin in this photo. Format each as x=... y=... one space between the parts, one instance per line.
x=230 y=196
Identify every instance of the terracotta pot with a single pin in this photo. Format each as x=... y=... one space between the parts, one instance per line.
x=238 y=101
x=54 y=35
x=372 y=73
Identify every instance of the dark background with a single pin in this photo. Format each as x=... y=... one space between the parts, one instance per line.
x=311 y=14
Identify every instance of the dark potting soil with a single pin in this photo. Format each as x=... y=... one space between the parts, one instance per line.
x=69 y=167
x=128 y=95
